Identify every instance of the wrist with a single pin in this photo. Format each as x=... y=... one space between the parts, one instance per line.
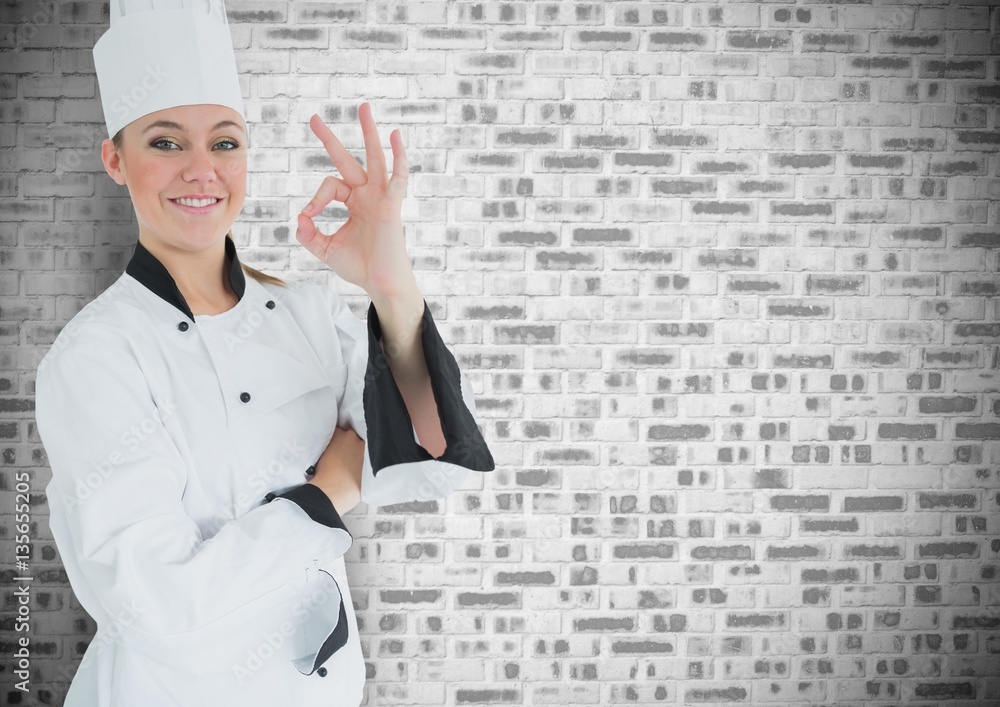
x=400 y=292
x=343 y=497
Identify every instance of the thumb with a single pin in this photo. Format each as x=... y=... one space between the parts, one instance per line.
x=305 y=233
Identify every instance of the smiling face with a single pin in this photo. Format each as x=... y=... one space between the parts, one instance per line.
x=204 y=152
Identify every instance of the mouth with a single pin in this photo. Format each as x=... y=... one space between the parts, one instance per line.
x=207 y=208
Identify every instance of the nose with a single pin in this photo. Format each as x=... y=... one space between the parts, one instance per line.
x=203 y=166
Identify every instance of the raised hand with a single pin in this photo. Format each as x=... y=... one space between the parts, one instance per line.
x=368 y=250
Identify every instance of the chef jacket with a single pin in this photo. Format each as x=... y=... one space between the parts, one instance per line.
x=180 y=446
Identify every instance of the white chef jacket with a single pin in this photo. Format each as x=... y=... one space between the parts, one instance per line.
x=170 y=436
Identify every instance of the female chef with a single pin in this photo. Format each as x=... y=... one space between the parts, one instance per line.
x=207 y=431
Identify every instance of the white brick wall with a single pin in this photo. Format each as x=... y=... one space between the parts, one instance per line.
x=725 y=277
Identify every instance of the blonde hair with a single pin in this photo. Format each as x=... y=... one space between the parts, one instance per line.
x=257 y=275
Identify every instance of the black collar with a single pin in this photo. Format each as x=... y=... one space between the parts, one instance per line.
x=148 y=270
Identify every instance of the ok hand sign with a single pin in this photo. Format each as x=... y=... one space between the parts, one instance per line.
x=368 y=250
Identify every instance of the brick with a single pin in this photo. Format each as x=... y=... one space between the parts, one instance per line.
x=730 y=289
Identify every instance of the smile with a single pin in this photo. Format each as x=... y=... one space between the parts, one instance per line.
x=208 y=205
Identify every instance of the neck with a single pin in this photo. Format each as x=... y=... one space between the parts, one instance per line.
x=201 y=275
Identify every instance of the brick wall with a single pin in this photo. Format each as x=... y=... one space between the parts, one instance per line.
x=726 y=278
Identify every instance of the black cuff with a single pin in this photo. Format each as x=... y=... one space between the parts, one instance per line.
x=314 y=501
x=337 y=639
x=390 y=429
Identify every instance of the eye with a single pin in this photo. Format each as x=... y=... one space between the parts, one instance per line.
x=155 y=143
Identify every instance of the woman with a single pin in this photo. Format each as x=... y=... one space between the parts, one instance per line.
x=206 y=431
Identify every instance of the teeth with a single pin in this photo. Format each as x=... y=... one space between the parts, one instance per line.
x=195 y=202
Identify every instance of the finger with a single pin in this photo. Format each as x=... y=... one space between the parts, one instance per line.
x=309 y=236
x=331 y=188
x=350 y=169
x=400 y=165
x=373 y=146
x=314 y=240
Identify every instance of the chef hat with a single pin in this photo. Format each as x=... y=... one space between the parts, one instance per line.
x=159 y=54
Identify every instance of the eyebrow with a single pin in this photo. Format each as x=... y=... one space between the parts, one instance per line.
x=178 y=126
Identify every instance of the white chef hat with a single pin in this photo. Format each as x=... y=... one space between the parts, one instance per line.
x=159 y=54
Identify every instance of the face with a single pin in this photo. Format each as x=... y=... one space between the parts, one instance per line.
x=160 y=163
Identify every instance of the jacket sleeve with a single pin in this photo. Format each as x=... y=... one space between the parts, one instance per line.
x=139 y=564
x=397 y=468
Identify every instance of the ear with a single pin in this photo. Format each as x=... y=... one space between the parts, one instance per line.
x=113 y=164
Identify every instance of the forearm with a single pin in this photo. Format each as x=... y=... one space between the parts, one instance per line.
x=344 y=490
x=400 y=319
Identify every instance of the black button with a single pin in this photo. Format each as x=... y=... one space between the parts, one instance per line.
x=270 y=304
x=311 y=470
x=245 y=397
x=269 y=497
x=321 y=672
x=183 y=326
